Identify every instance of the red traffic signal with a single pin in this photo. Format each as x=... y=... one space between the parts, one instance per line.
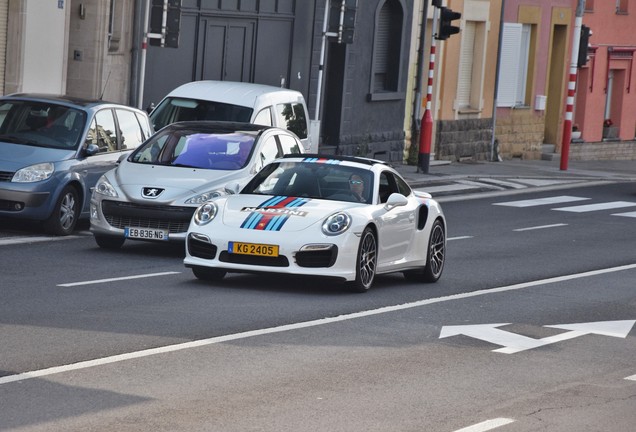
x=446 y=27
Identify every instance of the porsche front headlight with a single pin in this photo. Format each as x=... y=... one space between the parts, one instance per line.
x=336 y=224
x=34 y=173
x=204 y=197
x=205 y=214
x=103 y=187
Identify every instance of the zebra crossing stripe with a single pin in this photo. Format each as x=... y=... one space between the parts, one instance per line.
x=628 y=214
x=542 y=201
x=596 y=207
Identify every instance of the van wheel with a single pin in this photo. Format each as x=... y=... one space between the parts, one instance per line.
x=65 y=213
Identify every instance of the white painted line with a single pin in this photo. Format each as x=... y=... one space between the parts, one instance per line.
x=628 y=214
x=288 y=327
x=487 y=425
x=503 y=183
x=596 y=207
x=541 y=201
x=545 y=182
x=459 y=238
x=116 y=279
x=447 y=188
x=540 y=227
x=631 y=378
x=36 y=239
x=479 y=184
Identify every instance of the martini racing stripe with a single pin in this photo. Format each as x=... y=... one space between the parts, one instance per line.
x=322 y=160
x=264 y=217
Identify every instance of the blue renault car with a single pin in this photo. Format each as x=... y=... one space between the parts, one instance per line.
x=53 y=149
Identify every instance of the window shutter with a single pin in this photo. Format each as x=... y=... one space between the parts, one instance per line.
x=509 y=65
x=465 y=78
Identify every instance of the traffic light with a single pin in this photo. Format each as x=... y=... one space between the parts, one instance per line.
x=446 y=27
x=584 y=45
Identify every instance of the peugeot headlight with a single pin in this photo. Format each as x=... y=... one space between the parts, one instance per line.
x=103 y=187
x=205 y=214
x=34 y=173
x=204 y=197
x=336 y=224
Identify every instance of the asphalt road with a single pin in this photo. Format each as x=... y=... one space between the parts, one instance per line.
x=130 y=340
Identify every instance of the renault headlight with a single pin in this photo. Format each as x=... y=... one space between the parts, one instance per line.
x=205 y=214
x=103 y=187
x=336 y=224
x=34 y=173
x=204 y=197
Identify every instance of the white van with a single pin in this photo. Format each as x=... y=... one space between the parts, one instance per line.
x=235 y=101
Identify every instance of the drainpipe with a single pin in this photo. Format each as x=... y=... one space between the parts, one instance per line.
x=494 y=147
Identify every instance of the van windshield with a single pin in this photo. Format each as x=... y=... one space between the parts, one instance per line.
x=172 y=110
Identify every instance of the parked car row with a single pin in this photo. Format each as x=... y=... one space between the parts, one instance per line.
x=242 y=196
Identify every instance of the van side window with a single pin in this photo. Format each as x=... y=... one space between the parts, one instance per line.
x=292 y=117
x=264 y=117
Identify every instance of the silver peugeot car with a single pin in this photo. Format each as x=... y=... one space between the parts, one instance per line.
x=152 y=194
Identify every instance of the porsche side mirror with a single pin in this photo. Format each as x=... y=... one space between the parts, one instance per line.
x=395 y=200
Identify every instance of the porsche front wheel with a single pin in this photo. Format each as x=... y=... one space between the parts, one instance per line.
x=365 y=262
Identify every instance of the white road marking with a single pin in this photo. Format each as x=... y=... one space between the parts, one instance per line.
x=632 y=378
x=540 y=227
x=487 y=425
x=541 y=201
x=545 y=182
x=459 y=238
x=447 y=188
x=306 y=324
x=116 y=279
x=596 y=207
x=503 y=183
x=37 y=239
x=628 y=214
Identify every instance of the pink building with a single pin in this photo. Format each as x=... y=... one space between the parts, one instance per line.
x=532 y=83
x=605 y=107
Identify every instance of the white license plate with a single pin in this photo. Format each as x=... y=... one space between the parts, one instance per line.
x=145 y=233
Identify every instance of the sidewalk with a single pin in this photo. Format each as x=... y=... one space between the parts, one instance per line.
x=446 y=177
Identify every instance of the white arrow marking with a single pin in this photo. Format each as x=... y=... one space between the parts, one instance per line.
x=513 y=343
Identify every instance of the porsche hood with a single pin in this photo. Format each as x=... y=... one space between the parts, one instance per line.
x=278 y=213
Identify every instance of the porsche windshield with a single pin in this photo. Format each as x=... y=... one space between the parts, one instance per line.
x=314 y=180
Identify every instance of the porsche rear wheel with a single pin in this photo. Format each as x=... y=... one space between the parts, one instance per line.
x=365 y=262
x=208 y=274
x=435 y=257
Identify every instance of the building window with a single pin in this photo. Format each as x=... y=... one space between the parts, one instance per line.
x=471 y=66
x=513 y=71
x=589 y=6
x=621 y=6
x=115 y=23
x=387 y=48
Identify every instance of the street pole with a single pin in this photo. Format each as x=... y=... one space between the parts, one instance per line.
x=426 y=130
x=569 y=107
x=144 y=48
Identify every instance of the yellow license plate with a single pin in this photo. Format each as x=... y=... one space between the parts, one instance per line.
x=252 y=249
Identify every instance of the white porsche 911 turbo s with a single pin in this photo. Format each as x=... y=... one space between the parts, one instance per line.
x=342 y=217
